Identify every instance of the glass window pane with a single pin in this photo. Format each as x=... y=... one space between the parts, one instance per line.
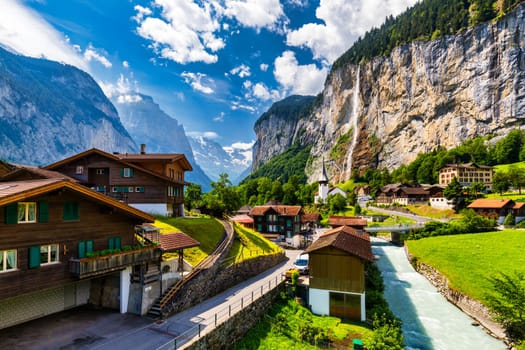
x=21 y=212
x=11 y=259
x=43 y=254
x=31 y=211
x=54 y=253
x=2 y=261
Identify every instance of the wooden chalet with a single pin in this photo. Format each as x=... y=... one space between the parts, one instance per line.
x=355 y=222
x=275 y=220
x=63 y=245
x=153 y=183
x=337 y=273
x=28 y=172
x=310 y=221
x=496 y=209
x=5 y=168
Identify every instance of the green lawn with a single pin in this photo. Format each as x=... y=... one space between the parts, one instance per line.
x=280 y=329
x=249 y=244
x=505 y=167
x=469 y=260
x=208 y=231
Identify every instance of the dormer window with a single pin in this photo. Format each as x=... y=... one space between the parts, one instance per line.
x=79 y=170
x=126 y=172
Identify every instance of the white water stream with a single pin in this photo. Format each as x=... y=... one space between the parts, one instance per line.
x=429 y=320
x=355 y=117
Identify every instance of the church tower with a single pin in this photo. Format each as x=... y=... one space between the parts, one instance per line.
x=323 y=186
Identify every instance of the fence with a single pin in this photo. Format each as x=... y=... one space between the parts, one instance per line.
x=208 y=325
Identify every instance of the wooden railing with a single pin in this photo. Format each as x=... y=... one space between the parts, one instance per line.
x=89 y=267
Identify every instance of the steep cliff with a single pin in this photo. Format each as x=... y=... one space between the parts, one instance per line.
x=49 y=111
x=384 y=112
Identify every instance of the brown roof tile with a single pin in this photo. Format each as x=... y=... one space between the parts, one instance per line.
x=346 y=220
x=310 y=217
x=243 y=219
x=490 y=203
x=346 y=239
x=282 y=210
x=176 y=240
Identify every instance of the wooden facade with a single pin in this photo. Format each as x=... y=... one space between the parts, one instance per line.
x=47 y=224
x=277 y=220
x=150 y=182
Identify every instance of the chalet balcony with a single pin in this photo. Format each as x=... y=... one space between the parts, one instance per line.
x=97 y=266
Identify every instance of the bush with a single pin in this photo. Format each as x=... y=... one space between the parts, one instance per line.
x=510 y=220
x=387 y=335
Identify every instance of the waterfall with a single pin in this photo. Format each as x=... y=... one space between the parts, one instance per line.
x=355 y=117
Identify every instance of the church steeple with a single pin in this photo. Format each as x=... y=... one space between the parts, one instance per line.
x=322 y=194
x=323 y=178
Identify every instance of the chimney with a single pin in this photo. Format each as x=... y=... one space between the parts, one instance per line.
x=142 y=148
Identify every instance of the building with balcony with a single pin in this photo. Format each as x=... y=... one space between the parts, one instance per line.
x=466 y=174
x=153 y=183
x=278 y=221
x=64 y=245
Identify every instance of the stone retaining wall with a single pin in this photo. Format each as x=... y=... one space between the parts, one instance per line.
x=232 y=330
x=471 y=307
x=214 y=280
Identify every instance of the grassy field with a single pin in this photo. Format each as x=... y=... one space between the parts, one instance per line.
x=280 y=329
x=431 y=212
x=208 y=231
x=505 y=167
x=469 y=260
x=249 y=244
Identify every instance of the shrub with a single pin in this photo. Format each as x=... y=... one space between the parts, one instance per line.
x=510 y=220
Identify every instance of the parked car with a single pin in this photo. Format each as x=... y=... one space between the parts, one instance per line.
x=301 y=264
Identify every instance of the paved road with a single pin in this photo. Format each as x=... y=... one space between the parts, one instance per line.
x=430 y=322
x=417 y=218
x=155 y=335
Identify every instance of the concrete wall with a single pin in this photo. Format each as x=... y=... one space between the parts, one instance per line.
x=319 y=300
x=216 y=279
x=232 y=330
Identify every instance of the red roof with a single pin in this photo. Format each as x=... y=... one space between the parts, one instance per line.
x=175 y=241
x=310 y=217
x=243 y=219
x=347 y=220
x=282 y=210
x=346 y=239
x=519 y=205
x=490 y=203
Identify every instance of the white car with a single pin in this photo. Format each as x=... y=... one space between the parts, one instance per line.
x=301 y=264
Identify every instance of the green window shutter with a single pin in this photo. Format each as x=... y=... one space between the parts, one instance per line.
x=131 y=172
x=34 y=257
x=121 y=172
x=117 y=242
x=111 y=243
x=89 y=246
x=81 y=249
x=71 y=211
x=43 y=211
x=11 y=214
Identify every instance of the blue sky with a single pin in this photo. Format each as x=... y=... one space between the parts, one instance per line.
x=214 y=65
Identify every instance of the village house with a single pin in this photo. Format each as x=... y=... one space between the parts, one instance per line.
x=276 y=221
x=337 y=273
x=153 y=183
x=498 y=209
x=467 y=174
x=64 y=245
x=354 y=222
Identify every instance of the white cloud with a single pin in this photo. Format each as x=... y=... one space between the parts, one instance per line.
x=25 y=32
x=198 y=81
x=264 y=67
x=91 y=54
x=261 y=92
x=184 y=33
x=125 y=64
x=124 y=91
x=298 y=79
x=212 y=135
x=237 y=105
x=255 y=13
x=243 y=148
x=343 y=22
x=242 y=71
x=219 y=118
x=141 y=13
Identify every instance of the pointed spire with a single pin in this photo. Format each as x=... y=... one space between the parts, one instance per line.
x=323 y=178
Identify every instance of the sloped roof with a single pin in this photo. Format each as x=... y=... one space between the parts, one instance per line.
x=466 y=165
x=139 y=157
x=243 y=219
x=42 y=173
x=282 y=210
x=518 y=205
x=490 y=203
x=15 y=191
x=346 y=220
x=176 y=240
x=413 y=190
x=310 y=217
x=112 y=157
x=346 y=239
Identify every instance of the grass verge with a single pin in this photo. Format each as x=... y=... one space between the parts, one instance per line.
x=468 y=260
x=249 y=244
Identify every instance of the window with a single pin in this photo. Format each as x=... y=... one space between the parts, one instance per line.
x=139 y=189
x=170 y=191
x=7 y=260
x=172 y=173
x=71 y=211
x=48 y=254
x=26 y=212
x=99 y=171
x=114 y=242
x=79 y=169
x=130 y=189
x=126 y=172
x=84 y=247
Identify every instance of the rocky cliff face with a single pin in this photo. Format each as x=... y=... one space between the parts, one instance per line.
x=424 y=95
x=49 y=111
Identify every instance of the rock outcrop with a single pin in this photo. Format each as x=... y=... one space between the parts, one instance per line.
x=422 y=96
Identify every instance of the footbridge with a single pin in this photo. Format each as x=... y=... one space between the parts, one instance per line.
x=395 y=230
